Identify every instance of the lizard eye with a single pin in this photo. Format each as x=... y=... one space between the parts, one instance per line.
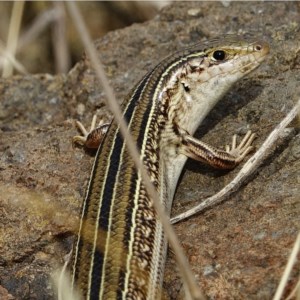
x=219 y=55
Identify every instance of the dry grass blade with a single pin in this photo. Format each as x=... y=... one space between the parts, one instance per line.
x=250 y=166
x=187 y=275
x=37 y=27
x=61 y=49
x=5 y=55
x=288 y=269
x=295 y=293
x=13 y=35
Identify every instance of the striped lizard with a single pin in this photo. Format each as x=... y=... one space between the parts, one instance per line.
x=120 y=248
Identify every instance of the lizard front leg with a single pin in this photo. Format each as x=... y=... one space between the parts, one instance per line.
x=92 y=138
x=221 y=159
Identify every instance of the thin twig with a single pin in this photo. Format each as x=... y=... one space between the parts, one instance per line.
x=187 y=275
x=13 y=34
x=250 y=166
x=288 y=269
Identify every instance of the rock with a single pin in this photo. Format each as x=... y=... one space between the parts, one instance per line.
x=43 y=179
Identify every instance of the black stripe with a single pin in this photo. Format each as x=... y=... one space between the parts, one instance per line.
x=108 y=190
x=121 y=287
